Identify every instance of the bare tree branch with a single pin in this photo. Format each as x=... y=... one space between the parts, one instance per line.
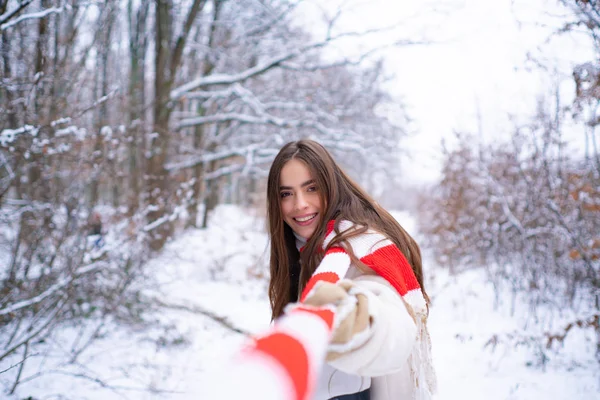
x=196 y=7
x=36 y=15
x=194 y=309
x=49 y=321
x=227 y=79
x=4 y=18
x=22 y=364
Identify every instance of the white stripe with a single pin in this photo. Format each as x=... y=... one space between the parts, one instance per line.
x=367 y=243
x=344 y=226
x=337 y=263
x=328 y=239
x=363 y=244
x=381 y=244
x=416 y=300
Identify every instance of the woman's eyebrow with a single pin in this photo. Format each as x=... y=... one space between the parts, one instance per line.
x=309 y=182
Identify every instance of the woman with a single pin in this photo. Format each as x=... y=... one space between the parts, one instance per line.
x=321 y=221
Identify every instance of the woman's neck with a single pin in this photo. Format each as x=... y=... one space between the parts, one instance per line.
x=300 y=241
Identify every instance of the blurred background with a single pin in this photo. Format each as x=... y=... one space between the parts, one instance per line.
x=135 y=139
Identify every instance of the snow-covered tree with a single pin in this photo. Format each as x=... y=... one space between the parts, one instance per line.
x=525 y=210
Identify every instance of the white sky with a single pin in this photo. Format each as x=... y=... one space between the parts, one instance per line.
x=478 y=66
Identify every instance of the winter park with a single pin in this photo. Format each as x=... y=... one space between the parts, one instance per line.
x=299 y=199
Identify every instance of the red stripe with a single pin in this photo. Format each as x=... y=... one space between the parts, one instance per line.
x=330 y=227
x=331 y=277
x=389 y=263
x=292 y=356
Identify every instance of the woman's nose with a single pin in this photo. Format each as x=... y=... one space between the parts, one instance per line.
x=300 y=202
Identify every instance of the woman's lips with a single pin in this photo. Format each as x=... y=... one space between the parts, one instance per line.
x=307 y=222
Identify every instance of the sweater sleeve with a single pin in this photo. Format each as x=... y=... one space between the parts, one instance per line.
x=393 y=332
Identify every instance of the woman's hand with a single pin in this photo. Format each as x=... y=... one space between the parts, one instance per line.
x=351 y=328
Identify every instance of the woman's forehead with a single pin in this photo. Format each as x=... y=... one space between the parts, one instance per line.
x=294 y=172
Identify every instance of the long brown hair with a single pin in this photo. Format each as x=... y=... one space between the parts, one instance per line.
x=342 y=199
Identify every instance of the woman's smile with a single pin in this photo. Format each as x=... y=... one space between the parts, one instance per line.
x=299 y=197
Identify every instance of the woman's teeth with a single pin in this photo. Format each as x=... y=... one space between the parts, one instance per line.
x=304 y=219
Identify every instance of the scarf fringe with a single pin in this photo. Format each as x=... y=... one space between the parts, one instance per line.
x=421 y=363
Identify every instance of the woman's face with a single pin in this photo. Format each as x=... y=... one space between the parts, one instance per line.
x=299 y=196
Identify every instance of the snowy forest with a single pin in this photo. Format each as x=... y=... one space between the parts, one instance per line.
x=135 y=139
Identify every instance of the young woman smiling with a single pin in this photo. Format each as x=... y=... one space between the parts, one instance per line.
x=320 y=222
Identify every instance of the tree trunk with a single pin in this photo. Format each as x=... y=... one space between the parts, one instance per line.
x=6 y=95
x=157 y=175
x=138 y=45
x=211 y=195
x=102 y=120
x=166 y=64
x=198 y=171
x=198 y=174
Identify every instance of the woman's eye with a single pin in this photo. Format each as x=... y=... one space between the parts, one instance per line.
x=284 y=194
x=312 y=189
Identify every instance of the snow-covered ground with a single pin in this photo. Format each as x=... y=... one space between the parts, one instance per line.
x=221 y=271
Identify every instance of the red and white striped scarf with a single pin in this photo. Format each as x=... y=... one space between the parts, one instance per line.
x=379 y=254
